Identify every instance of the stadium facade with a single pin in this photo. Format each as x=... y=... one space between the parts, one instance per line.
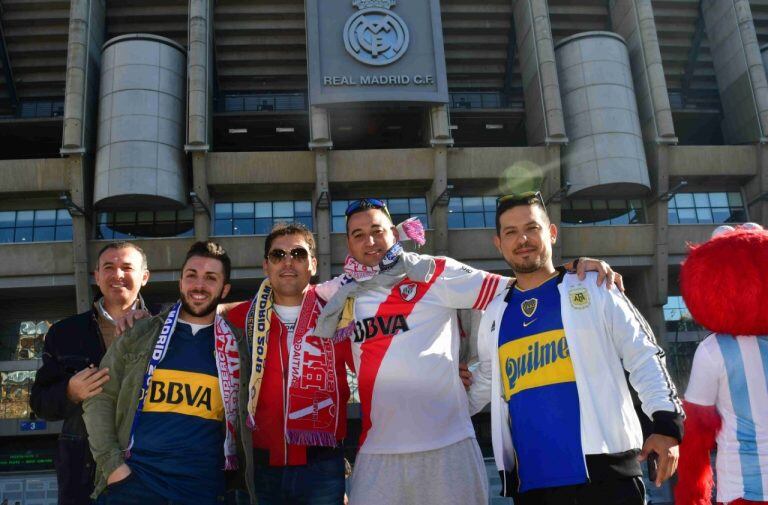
x=644 y=123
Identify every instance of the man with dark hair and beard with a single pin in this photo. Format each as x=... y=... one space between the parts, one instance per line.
x=163 y=428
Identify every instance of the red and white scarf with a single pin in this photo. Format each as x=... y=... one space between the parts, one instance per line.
x=313 y=388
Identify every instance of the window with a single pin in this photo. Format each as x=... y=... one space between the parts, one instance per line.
x=258 y=218
x=144 y=224
x=264 y=102
x=399 y=208
x=14 y=395
x=677 y=316
x=596 y=212
x=712 y=208
x=35 y=225
x=472 y=212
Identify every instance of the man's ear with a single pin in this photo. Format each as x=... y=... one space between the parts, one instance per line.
x=553 y=232
x=144 y=278
x=313 y=265
x=225 y=290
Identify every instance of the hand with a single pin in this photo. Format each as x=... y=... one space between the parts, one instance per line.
x=130 y=317
x=466 y=375
x=604 y=272
x=668 y=450
x=120 y=473
x=86 y=383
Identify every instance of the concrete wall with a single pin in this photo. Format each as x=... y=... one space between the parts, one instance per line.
x=702 y=161
x=606 y=241
x=31 y=176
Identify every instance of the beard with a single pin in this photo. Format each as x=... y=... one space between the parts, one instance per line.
x=200 y=311
x=530 y=265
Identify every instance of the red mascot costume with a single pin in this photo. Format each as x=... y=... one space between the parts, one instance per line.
x=724 y=283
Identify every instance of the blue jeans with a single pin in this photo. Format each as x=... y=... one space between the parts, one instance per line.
x=131 y=491
x=319 y=482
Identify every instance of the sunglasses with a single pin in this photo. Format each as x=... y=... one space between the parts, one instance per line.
x=365 y=204
x=275 y=256
x=506 y=201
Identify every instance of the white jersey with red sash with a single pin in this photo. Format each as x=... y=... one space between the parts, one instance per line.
x=406 y=347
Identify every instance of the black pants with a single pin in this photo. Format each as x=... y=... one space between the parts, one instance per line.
x=629 y=491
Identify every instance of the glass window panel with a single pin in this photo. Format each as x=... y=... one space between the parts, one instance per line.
x=263 y=209
x=672 y=216
x=125 y=217
x=600 y=204
x=186 y=214
x=424 y=220
x=338 y=207
x=283 y=209
x=672 y=202
x=162 y=216
x=242 y=210
x=63 y=217
x=243 y=227
x=474 y=220
x=398 y=206
x=704 y=215
x=306 y=221
x=338 y=225
x=636 y=204
x=738 y=216
x=25 y=217
x=45 y=217
x=44 y=233
x=686 y=216
x=489 y=202
x=455 y=220
x=622 y=219
x=104 y=217
x=718 y=199
x=454 y=204
x=222 y=227
x=617 y=204
x=418 y=205
x=7 y=219
x=684 y=200
x=23 y=235
x=263 y=226
x=701 y=199
x=104 y=231
x=490 y=219
x=64 y=232
x=580 y=204
x=223 y=210
x=303 y=208
x=473 y=204
x=734 y=199
x=721 y=215
x=6 y=235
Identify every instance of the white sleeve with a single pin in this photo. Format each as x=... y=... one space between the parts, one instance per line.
x=460 y=286
x=642 y=357
x=705 y=376
x=479 y=393
x=327 y=289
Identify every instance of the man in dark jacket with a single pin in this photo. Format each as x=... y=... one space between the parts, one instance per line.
x=71 y=355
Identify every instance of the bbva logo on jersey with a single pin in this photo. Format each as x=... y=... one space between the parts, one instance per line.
x=408 y=291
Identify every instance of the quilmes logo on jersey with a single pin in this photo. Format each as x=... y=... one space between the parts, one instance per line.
x=539 y=360
x=375 y=35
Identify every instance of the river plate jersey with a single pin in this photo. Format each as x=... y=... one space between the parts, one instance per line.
x=406 y=349
x=540 y=389
x=178 y=444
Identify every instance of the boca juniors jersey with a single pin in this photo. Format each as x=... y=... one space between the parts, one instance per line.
x=406 y=348
x=540 y=389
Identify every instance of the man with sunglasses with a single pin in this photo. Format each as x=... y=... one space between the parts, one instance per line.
x=553 y=353
x=418 y=444
x=298 y=393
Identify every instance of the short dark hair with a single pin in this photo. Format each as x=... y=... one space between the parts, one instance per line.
x=209 y=249
x=283 y=229
x=504 y=203
x=123 y=244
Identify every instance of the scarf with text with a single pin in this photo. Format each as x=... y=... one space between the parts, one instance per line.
x=313 y=392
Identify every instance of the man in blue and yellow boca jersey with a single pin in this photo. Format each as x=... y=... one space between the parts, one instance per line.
x=553 y=352
x=163 y=429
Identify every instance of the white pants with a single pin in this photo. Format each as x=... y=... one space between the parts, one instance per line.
x=450 y=475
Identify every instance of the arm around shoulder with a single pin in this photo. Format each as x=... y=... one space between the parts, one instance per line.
x=479 y=393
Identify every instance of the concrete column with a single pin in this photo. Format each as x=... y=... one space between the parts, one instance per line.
x=80 y=229
x=543 y=108
x=321 y=204
x=437 y=196
x=86 y=35
x=741 y=78
x=633 y=20
x=199 y=73
x=756 y=191
x=551 y=186
x=203 y=207
x=320 y=142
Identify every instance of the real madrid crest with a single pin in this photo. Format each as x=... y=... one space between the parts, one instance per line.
x=375 y=35
x=529 y=306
